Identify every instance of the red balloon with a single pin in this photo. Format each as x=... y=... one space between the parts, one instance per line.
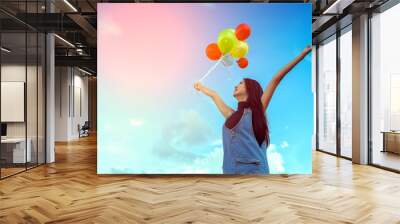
x=213 y=52
x=243 y=62
x=242 y=31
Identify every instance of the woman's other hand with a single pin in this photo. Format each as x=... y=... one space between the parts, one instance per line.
x=307 y=50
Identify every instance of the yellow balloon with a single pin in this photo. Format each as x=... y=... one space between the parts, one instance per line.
x=227 y=40
x=240 y=50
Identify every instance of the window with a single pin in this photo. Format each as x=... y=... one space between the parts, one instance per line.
x=346 y=92
x=385 y=88
x=22 y=89
x=327 y=95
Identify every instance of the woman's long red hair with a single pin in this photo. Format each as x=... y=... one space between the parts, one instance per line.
x=259 y=121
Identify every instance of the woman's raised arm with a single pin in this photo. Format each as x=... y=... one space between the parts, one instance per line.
x=270 y=89
x=225 y=110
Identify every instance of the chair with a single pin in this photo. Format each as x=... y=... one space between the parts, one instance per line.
x=84 y=130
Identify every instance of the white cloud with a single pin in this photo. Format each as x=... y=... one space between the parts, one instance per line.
x=190 y=129
x=217 y=142
x=275 y=161
x=284 y=144
x=112 y=153
x=210 y=163
x=167 y=151
x=182 y=136
x=135 y=122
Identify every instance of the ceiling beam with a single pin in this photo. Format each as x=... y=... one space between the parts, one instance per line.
x=338 y=6
x=82 y=61
x=86 y=26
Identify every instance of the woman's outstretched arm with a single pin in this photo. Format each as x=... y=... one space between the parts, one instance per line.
x=270 y=89
x=225 y=110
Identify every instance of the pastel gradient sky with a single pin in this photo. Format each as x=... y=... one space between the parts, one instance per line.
x=151 y=120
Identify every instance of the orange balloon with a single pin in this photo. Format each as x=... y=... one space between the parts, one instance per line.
x=242 y=31
x=243 y=62
x=213 y=52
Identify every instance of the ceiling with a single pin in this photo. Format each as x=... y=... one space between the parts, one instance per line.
x=75 y=22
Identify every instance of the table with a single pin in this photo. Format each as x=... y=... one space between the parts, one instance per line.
x=17 y=150
x=391 y=141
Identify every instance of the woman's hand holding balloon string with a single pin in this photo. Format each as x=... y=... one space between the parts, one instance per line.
x=225 y=110
x=200 y=87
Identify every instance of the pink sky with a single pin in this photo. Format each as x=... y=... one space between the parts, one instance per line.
x=163 y=45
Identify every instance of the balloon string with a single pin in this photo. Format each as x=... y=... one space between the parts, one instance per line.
x=229 y=71
x=210 y=70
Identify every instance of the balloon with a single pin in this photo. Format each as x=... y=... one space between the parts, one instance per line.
x=213 y=52
x=227 y=60
x=242 y=31
x=243 y=62
x=227 y=40
x=240 y=50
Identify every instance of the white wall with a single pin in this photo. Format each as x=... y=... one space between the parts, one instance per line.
x=12 y=73
x=81 y=103
x=62 y=81
x=71 y=94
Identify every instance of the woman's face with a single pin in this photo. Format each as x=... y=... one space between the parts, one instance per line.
x=240 y=90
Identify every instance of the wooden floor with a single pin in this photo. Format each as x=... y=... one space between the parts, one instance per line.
x=69 y=191
x=5 y=172
x=386 y=159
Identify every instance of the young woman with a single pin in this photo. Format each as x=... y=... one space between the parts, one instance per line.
x=245 y=134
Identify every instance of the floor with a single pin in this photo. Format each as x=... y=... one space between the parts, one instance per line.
x=5 y=172
x=70 y=191
x=388 y=159
x=10 y=171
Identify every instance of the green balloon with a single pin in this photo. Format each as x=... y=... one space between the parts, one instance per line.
x=240 y=50
x=227 y=40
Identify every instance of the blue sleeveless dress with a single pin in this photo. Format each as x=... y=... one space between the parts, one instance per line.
x=242 y=153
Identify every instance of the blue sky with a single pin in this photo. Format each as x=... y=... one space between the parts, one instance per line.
x=186 y=136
